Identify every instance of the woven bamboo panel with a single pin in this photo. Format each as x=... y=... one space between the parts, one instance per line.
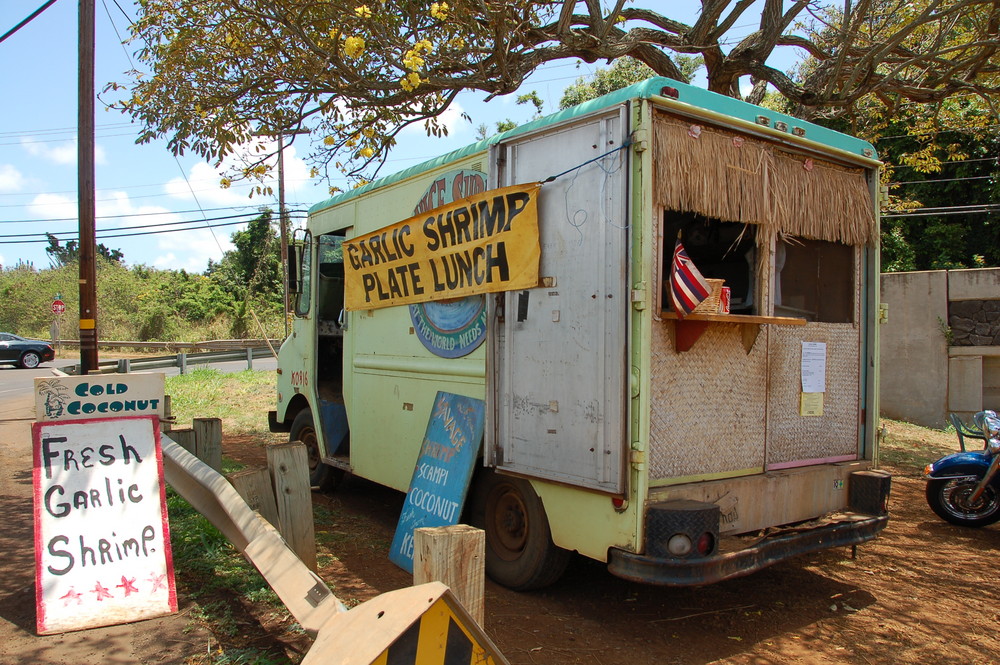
x=708 y=403
x=792 y=437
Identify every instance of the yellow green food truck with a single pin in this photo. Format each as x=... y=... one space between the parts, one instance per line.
x=533 y=270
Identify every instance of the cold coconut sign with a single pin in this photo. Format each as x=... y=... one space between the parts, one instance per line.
x=102 y=542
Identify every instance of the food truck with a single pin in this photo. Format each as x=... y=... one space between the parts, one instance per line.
x=533 y=271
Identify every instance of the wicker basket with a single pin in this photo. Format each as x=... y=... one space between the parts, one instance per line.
x=710 y=305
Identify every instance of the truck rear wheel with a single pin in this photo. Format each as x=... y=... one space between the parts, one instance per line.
x=321 y=475
x=520 y=553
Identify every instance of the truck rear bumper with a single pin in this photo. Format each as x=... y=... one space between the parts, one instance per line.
x=765 y=552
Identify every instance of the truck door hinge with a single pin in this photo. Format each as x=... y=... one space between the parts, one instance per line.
x=639 y=296
x=638 y=459
x=640 y=140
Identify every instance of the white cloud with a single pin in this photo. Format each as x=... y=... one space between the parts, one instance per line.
x=11 y=179
x=188 y=249
x=63 y=153
x=451 y=118
x=203 y=183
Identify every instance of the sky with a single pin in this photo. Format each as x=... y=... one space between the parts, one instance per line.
x=140 y=186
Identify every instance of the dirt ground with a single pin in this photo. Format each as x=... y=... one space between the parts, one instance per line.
x=920 y=594
x=168 y=640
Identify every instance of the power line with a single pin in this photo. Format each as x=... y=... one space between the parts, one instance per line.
x=26 y=21
x=938 y=131
x=921 y=182
x=140 y=226
x=102 y=136
x=58 y=130
x=947 y=210
x=948 y=162
x=136 y=214
x=102 y=235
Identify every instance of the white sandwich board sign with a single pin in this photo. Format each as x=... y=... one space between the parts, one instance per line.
x=102 y=542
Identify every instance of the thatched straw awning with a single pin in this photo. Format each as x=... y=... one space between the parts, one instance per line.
x=724 y=175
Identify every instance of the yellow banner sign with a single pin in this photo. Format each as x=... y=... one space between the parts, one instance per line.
x=480 y=244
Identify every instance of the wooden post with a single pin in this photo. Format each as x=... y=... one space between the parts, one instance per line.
x=184 y=438
x=289 y=467
x=167 y=421
x=254 y=485
x=208 y=441
x=455 y=555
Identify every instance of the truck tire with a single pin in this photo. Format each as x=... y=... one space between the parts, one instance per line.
x=321 y=476
x=520 y=553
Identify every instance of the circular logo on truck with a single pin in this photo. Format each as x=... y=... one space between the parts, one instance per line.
x=451 y=328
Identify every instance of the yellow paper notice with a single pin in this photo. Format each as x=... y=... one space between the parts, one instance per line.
x=811 y=404
x=480 y=244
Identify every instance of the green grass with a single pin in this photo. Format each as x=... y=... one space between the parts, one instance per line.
x=208 y=569
x=240 y=399
x=909 y=448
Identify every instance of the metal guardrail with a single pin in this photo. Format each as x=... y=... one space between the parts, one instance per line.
x=211 y=344
x=181 y=360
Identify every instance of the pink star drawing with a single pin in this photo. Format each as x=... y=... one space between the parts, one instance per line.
x=128 y=585
x=101 y=591
x=71 y=595
x=158 y=582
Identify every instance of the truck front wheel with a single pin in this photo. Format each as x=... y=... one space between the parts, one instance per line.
x=520 y=553
x=321 y=475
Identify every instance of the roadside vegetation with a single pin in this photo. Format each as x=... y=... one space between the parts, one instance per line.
x=140 y=303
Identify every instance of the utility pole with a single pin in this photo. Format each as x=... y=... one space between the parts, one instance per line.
x=283 y=214
x=283 y=227
x=85 y=187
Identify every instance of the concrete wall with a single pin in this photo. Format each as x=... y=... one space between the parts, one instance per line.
x=922 y=378
x=913 y=347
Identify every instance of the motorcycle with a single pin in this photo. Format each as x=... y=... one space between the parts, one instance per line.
x=964 y=488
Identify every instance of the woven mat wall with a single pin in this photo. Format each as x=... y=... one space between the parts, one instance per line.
x=792 y=437
x=708 y=403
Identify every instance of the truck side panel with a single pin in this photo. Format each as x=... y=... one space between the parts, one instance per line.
x=560 y=349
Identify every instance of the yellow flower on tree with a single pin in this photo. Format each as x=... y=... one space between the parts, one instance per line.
x=329 y=140
x=413 y=62
x=354 y=46
x=366 y=152
x=363 y=11
x=410 y=82
x=439 y=10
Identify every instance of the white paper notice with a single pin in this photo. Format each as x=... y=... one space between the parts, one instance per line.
x=813 y=367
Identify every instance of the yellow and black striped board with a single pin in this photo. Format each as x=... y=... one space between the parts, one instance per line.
x=437 y=638
x=422 y=625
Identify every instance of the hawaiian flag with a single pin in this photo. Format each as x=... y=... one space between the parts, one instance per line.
x=687 y=286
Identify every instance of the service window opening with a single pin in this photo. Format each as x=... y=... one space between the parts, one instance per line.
x=720 y=250
x=814 y=280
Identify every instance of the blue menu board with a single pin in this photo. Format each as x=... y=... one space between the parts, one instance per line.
x=442 y=473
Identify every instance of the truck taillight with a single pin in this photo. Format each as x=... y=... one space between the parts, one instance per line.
x=706 y=543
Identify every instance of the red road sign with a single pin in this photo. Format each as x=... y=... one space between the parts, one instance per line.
x=58 y=307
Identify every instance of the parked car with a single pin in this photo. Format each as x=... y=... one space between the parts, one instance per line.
x=27 y=353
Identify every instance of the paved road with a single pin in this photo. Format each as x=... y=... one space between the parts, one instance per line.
x=16 y=381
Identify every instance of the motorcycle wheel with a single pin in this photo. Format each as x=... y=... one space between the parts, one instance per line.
x=949 y=499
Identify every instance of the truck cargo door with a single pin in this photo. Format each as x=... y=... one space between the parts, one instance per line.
x=558 y=351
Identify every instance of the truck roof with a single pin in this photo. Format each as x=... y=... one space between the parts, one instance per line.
x=656 y=87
